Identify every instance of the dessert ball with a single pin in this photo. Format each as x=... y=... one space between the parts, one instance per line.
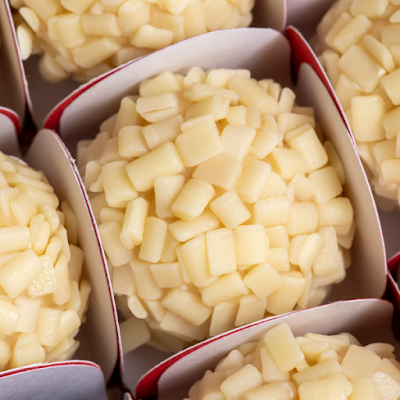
x=86 y=38
x=358 y=43
x=43 y=296
x=218 y=203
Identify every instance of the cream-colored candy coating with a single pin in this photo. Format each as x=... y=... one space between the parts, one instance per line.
x=228 y=209
x=313 y=367
x=86 y=38
x=41 y=304
x=358 y=44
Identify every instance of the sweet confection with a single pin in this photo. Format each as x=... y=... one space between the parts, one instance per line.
x=313 y=367
x=43 y=297
x=358 y=43
x=86 y=38
x=218 y=203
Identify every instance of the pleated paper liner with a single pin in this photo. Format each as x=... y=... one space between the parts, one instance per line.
x=27 y=87
x=13 y=88
x=98 y=335
x=267 y=54
x=369 y=320
x=305 y=16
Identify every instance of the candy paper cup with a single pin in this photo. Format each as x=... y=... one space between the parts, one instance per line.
x=14 y=92
x=305 y=15
x=267 y=54
x=368 y=320
x=98 y=335
x=31 y=86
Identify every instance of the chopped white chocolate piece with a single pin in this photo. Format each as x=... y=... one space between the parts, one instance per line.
x=283 y=347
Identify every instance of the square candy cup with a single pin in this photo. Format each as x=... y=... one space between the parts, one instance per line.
x=98 y=335
x=305 y=16
x=73 y=380
x=26 y=86
x=266 y=53
x=368 y=320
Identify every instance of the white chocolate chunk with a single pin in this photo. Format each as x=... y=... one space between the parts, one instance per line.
x=170 y=249
x=287 y=162
x=304 y=189
x=337 y=211
x=286 y=296
x=187 y=305
x=161 y=132
x=370 y=9
x=194 y=257
x=155 y=231
x=186 y=230
x=166 y=275
x=192 y=200
x=270 y=370
x=366 y=115
x=251 y=309
x=117 y=185
x=223 y=318
x=283 y=347
x=252 y=180
x=134 y=223
x=303 y=218
x=221 y=251
x=46 y=282
x=265 y=141
x=366 y=77
x=364 y=388
x=318 y=371
x=14 y=238
x=164 y=160
x=245 y=379
x=309 y=146
x=272 y=211
x=278 y=257
x=122 y=280
x=27 y=351
x=251 y=244
x=359 y=363
x=199 y=144
x=166 y=189
x=263 y=280
x=9 y=316
x=141 y=334
x=251 y=95
x=226 y=288
x=174 y=324
x=91 y=54
x=236 y=141
x=219 y=171
x=277 y=236
x=47 y=326
x=136 y=307
x=110 y=237
x=234 y=359
x=20 y=272
x=312 y=390
x=145 y=284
